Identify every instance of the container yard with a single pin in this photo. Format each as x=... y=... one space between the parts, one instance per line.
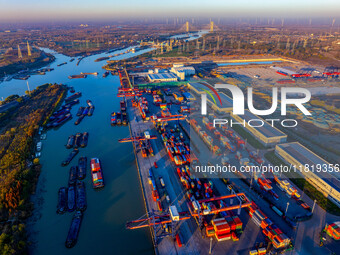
x=183 y=207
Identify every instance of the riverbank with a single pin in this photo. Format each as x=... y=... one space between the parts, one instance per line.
x=16 y=67
x=19 y=170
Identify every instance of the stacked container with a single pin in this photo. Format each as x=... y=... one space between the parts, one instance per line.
x=333 y=230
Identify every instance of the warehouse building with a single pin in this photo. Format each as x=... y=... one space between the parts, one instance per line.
x=266 y=134
x=183 y=71
x=162 y=77
x=326 y=182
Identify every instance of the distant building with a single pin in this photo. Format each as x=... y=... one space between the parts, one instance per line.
x=182 y=71
x=324 y=181
x=162 y=77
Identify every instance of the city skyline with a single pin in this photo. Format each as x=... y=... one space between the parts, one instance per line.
x=19 y=10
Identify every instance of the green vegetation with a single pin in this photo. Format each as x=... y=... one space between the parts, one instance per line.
x=18 y=175
x=247 y=136
x=307 y=188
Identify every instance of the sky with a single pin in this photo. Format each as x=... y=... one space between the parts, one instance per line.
x=35 y=10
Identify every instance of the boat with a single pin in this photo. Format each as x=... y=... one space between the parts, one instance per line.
x=38 y=154
x=86 y=110
x=106 y=74
x=91 y=110
x=113 y=119
x=80 y=196
x=72 y=97
x=79 y=120
x=70 y=104
x=82 y=165
x=71 y=199
x=97 y=174
x=62 y=120
x=80 y=111
x=21 y=77
x=72 y=59
x=59 y=113
x=101 y=59
x=77 y=76
x=78 y=140
x=62 y=200
x=43 y=137
x=89 y=103
x=73 y=232
x=70 y=157
x=39 y=145
x=61 y=64
x=70 y=142
x=124 y=118
x=122 y=106
x=93 y=73
x=73 y=175
x=119 y=118
x=72 y=90
x=84 y=140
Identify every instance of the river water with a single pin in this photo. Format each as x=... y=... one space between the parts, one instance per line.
x=103 y=227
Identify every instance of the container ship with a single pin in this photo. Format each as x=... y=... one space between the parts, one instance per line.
x=113 y=119
x=97 y=174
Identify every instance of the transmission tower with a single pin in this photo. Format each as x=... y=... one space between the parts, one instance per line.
x=29 y=53
x=19 y=52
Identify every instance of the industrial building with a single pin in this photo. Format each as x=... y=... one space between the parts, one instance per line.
x=162 y=77
x=266 y=134
x=183 y=71
x=296 y=154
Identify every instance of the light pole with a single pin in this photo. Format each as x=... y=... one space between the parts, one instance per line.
x=210 y=245
x=287 y=207
x=313 y=205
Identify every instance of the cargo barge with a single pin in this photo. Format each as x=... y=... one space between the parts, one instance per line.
x=62 y=200
x=71 y=199
x=81 y=204
x=77 y=76
x=73 y=232
x=78 y=139
x=72 y=97
x=84 y=139
x=73 y=176
x=70 y=142
x=97 y=174
x=82 y=165
x=70 y=157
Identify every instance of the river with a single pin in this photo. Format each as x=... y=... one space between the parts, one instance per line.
x=103 y=228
